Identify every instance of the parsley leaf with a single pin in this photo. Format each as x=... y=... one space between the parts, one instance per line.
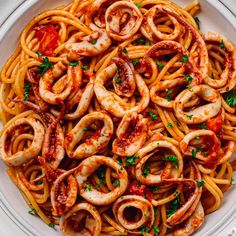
x=116 y=183
x=189 y=88
x=94 y=42
x=131 y=160
x=168 y=93
x=232 y=181
x=203 y=126
x=230 y=98
x=42 y=68
x=170 y=125
x=135 y=62
x=101 y=176
x=200 y=183
x=117 y=80
x=26 y=91
x=144 y=229
x=140 y=40
x=145 y=172
x=153 y=115
x=156 y=230
x=173 y=159
x=222 y=44
x=173 y=207
x=160 y=65
x=74 y=63
x=87 y=188
x=197 y=22
x=85 y=129
x=52 y=225
x=184 y=58
x=32 y=211
x=190 y=116
x=194 y=153
x=84 y=67
x=39 y=181
x=147 y=44
x=125 y=50
x=188 y=78
x=138 y=4
x=39 y=54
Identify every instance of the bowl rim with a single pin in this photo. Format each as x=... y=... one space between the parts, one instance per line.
x=7 y=23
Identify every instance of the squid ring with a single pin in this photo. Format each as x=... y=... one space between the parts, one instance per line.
x=92 y=225
x=93 y=144
x=21 y=157
x=131 y=134
x=119 y=13
x=91 y=164
x=201 y=113
x=63 y=197
x=146 y=152
x=139 y=203
x=108 y=101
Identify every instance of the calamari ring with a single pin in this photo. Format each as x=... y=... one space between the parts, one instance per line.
x=91 y=164
x=119 y=13
x=107 y=99
x=149 y=29
x=166 y=47
x=131 y=134
x=146 y=152
x=201 y=113
x=88 y=46
x=55 y=93
x=26 y=155
x=92 y=225
x=139 y=203
x=227 y=79
x=92 y=145
x=212 y=158
x=193 y=223
x=63 y=196
x=228 y=151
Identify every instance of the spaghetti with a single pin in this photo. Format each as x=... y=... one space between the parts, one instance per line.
x=119 y=118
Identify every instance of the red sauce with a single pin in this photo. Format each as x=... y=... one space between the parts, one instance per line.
x=215 y=124
x=48 y=37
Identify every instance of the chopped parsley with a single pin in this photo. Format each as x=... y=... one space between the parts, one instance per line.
x=156 y=230
x=42 y=68
x=199 y=148
x=230 y=98
x=131 y=160
x=117 y=80
x=85 y=129
x=135 y=62
x=138 y=4
x=153 y=115
x=188 y=78
x=189 y=88
x=160 y=65
x=184 y=58
x=168 y=93
x=87 y=188
x=170 y=125
x=124 y=50
x=212 y=75
x=32 y=211
x=145 y=172
x=200 y=183
x=222 y=44
x=173 y=159
x=74 y=63
x=190 y=116
x=147 y=44
x=194 y=153
x=140 y=40
x=197 y=22
x=101 y=176
x=94 y=42
x=144 y=229
x=26 y=91
x=116 y=183
x=84 y=67
x=173 y=207
x=203 y=126
x=232 y=181
x=39 y=54
x=39 y=181
x=52 y=225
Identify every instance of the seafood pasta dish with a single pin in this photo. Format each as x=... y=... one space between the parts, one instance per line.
x=119 y=118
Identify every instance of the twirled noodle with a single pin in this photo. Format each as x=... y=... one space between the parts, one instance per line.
x=119 y=118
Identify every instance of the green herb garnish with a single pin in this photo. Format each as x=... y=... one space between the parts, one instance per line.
x=184 y=58
x=168 y=93
x=222 y=44
x=26 y=91
x=170 y=125
x=42 y=68
x=116 y=183
x=160 y=65
x=94 y=42
x=74 y=63
x=230 y=98
x=84 y=67
x=156 y=230
x=197 y=21
x=131 y=160
x=203 y=126
x=117 y=80
x=188 y=78
x=145 y=172
x=153 y=115
x=32 y=211
x=138 y=4
x=173 y=160
x=200 y=183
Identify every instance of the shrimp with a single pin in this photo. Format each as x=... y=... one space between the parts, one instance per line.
x=123 y=20
x=70 y=221
x=91 y=45
x=99 y=139
x=137 y=202
x=131 y=134
x=147 y=152
x=20 y=157
x=91 y=164
x=202 y=113
x=109 y=102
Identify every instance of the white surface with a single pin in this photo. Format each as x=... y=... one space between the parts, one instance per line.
x=7 y=227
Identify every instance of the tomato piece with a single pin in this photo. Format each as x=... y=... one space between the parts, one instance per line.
x=215 y=124
x=140 y=189
x=48 y=37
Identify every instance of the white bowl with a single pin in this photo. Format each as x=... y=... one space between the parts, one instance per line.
x=214 y=17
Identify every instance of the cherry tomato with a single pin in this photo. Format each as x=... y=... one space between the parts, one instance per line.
x=215 y=124
x=48 y=37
